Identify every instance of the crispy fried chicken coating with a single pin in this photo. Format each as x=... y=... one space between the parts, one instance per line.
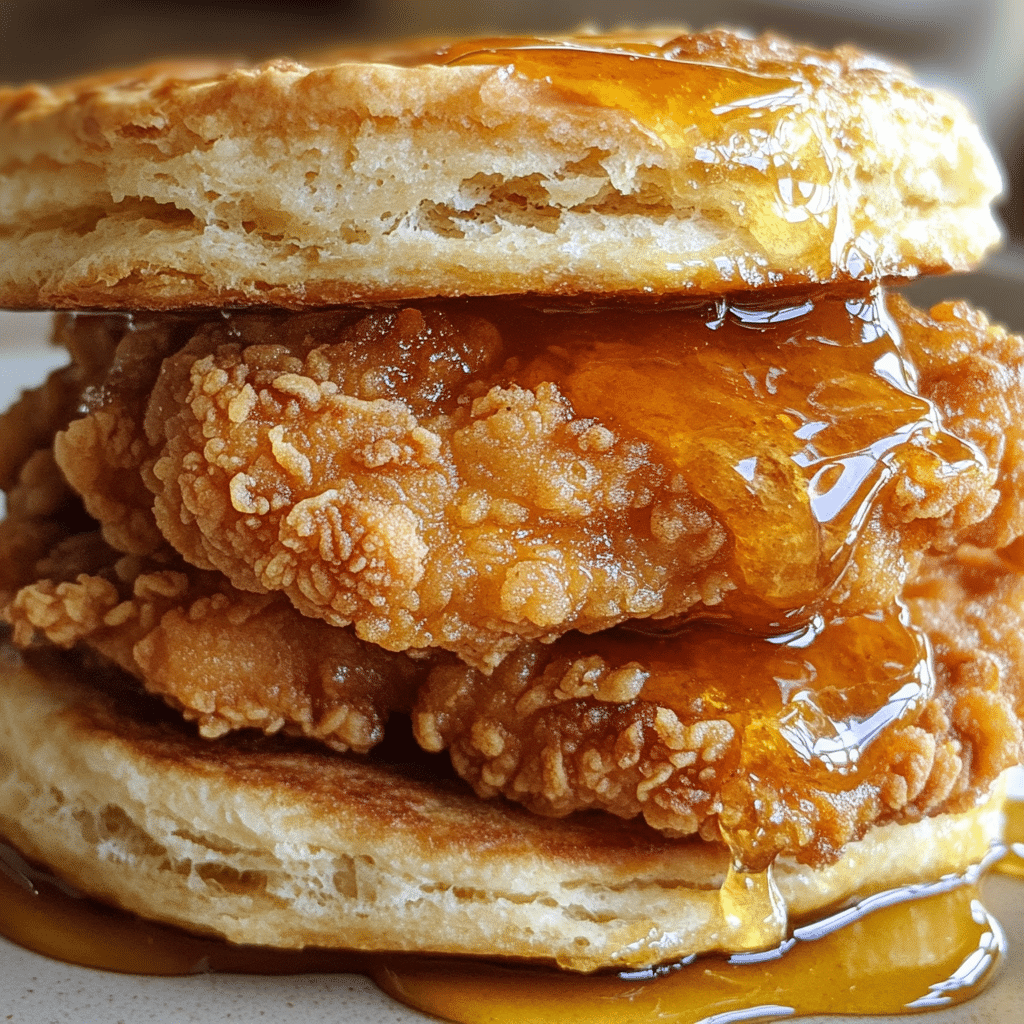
x=479 y=474
x=973 y=371
x=781 y=749
x=102 y=454
x=971 y=609
x=225 y=659
x=42 y=510
x=268 y=518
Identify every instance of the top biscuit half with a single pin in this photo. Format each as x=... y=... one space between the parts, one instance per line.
x=595 y=165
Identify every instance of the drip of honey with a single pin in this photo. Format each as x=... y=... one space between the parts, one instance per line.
x=826 y=693
x=791 y=457
x=725 y=119
x=753 y=910
x=925 y=946
x=1013 y=862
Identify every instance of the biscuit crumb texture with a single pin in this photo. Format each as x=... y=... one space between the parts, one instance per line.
x=135 y=813
x=354 y=180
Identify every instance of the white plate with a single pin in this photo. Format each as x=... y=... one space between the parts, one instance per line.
x=34 y=990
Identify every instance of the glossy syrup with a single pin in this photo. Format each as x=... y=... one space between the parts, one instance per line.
x=936 y=952
x=822 y=712
x=672 y=95
x=921 y=947
x=718 y=118
x=1013 y=862
x=787 y=420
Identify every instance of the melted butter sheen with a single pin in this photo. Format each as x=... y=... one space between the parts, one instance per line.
x=924 y=947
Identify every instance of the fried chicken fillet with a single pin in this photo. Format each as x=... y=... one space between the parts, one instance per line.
x=543 y=396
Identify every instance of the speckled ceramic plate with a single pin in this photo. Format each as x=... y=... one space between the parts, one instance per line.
x=34 y=990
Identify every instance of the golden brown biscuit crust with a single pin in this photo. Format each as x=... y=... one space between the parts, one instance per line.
x=371 y=175
x=146 y=816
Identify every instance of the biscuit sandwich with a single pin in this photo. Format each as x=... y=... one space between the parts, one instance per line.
x=493 y=505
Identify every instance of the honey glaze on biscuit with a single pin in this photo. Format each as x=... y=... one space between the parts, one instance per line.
x=737 y=122
x=923 y=947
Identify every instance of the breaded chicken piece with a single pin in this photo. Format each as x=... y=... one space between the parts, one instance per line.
x=473 y=475
x=467 y=524
x=42 y=510
x=39 y=507
x=419 y=472
x=227 y=660
x=101 y=455
x=780 y=749
x=973 y=370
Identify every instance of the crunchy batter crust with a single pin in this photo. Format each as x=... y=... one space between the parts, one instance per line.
x=226 y=660
x=427 y=476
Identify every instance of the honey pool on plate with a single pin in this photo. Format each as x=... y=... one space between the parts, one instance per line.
x=960 y=942
x=921 y=947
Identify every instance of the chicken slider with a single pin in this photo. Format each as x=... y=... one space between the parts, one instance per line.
x=493 y=506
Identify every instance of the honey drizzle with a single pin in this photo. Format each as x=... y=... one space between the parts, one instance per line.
x=920 y=947
x=932 y=965
x=1013 y=862
x=753 y=910
x=728 y=119
x=793 y=466
x=672 y=97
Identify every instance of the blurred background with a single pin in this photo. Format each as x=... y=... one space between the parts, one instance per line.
x=974 y=48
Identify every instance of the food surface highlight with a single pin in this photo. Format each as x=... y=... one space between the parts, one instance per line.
x=646 y=165
x=495 y=508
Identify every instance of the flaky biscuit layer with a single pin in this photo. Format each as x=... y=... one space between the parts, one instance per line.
x=706 y=163
x=276 y=846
